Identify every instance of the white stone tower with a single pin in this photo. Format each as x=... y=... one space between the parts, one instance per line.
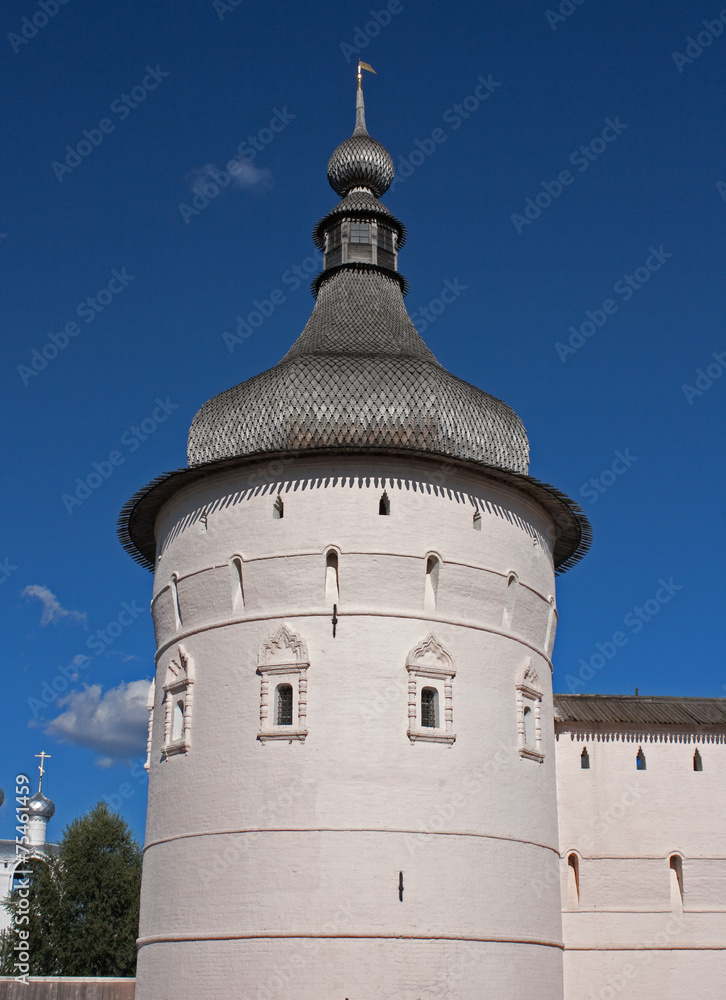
x=352 y=776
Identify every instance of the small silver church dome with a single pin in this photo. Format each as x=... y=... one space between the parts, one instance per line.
x=39 y=805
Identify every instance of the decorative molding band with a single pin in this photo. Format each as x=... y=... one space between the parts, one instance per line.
x=426 y=620
x=641 y=857
x=266 y=936
x=651 y=913
x=316 y=553
x=646 y=947
x=660 y=733
x=406 y=833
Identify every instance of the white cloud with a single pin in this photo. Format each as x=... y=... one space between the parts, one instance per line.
x=242 y=174
x=112 y=723
x=53 y=611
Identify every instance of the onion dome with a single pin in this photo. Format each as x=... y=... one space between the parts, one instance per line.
x=39 y=805
x=360 y=161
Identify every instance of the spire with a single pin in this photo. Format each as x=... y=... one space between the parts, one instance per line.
x=360 y=108
x=360 y=111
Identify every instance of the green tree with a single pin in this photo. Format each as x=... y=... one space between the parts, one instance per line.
x=84 y=903
x=38 y=915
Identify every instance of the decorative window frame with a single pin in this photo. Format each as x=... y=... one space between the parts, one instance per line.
x=150 y=726
x=179 y=686
x=283 y=659
x=529 y=696
x=429 y=665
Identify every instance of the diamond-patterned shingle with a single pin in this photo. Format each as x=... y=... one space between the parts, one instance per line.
x=359 y=375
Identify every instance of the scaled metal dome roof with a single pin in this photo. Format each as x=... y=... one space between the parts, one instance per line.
x=359 y=376
x=39 y=805
x=360 y=161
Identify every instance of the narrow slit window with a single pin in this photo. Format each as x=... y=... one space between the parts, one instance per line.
x=332 y=592
x=528 y=727
x=585 y=759
x=283 y=698
x=278 y=508
x=697 y=761
x=676 y=869
x=238 y=590
x=510 y=600
x=175 y=601
x=573 y=880
x=429 y=708
x=640 y=760
x=384 y=504
x=177 y=724
x=476 y=520
x=432 y=583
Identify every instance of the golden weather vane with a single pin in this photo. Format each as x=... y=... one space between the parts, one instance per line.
x=363 y=65
x=43 y=757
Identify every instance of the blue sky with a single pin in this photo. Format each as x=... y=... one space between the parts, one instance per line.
x=626 y=236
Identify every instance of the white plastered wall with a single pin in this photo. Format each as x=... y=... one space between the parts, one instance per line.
x=628 y=935
x=262 y=858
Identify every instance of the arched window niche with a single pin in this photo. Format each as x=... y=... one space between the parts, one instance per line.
x=282 y=666
x=585 y=759
x=510 y=599
x=431 y=584
x=675 y=863
x=573 y=881
x=238 y=587
x=640 y=760
x=178 y=689
x=177 y=720
x=697 y=760
x=529 y=721
x=332 y=580
x=430 y=689
x=384 y=505
x=175 y=601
